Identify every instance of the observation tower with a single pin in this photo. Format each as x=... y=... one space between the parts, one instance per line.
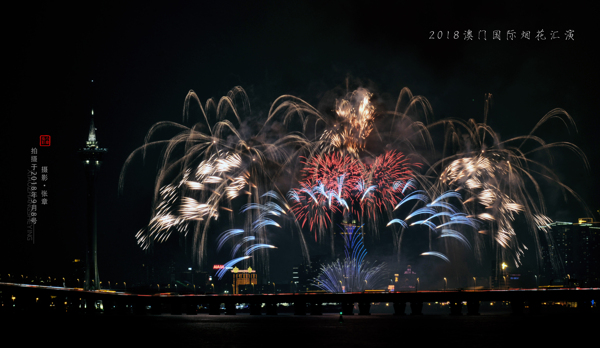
x=91 y=156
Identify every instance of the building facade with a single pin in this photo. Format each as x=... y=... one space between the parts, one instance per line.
x=571 y=254
x=244 y=280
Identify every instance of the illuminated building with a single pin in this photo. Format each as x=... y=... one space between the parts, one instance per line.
x=297 y=271
x=301 y=278
x=345 y=230
x=243 y=278
x=404 y=281
x=192 y=281
x=304 y=274
x=350 y=228
x=572 y=256
x=91 y=156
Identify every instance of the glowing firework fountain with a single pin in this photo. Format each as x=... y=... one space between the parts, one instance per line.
x=353 y=274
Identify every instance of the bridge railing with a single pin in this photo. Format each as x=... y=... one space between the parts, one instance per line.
x=19 y=297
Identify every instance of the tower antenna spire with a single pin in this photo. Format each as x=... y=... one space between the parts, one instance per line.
x=92 y=142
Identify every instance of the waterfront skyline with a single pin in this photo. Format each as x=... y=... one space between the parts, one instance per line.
x=144 y=63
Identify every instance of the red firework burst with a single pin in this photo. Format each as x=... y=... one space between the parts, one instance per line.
x=389 y=174
x=327 y=182
x=334 y=183
x=337 y=173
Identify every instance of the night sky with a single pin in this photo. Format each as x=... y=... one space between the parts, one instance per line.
x=144 y=60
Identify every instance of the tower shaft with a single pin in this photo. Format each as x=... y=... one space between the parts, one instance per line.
x=92 y=155
x=92 y=279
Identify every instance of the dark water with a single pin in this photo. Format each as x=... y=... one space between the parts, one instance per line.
x=243 y=330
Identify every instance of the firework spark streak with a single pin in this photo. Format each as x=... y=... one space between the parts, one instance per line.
x=268 y=208
x=436 y=254
x=230 y=264
x=226 y=235
x=442 y=211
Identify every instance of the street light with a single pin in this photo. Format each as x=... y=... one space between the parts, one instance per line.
x=504 y=265
x=194 y=285
x=445 y=283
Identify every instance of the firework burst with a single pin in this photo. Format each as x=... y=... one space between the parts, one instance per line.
x=354 y=122
x=209 y=176
x=230 y=171
x=340 y=184
x=500 y=179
